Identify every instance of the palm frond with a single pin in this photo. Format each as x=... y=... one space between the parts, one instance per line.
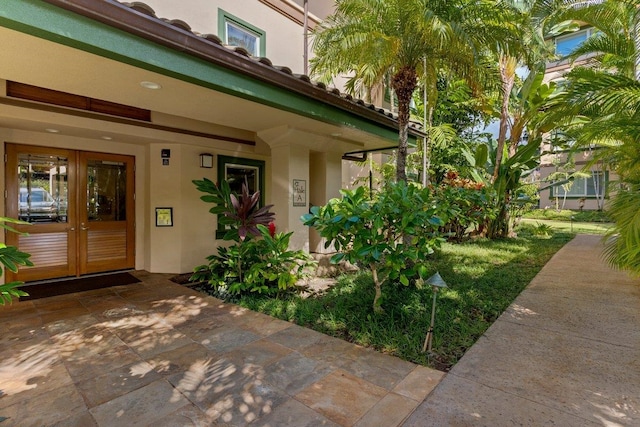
x=622 y=249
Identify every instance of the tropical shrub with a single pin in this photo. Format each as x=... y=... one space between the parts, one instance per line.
x=526 y=199
x=264 y=265
x=11 y=258
x=537 y=229
x=371 y=232
x=259 y=260
x=508 y=183
x=465 y=206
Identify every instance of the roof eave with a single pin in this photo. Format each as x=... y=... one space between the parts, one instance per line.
x=117 y=15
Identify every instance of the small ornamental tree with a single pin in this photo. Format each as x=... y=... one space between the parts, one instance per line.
x=11 y=258
x=369 y=232
x=260 y=260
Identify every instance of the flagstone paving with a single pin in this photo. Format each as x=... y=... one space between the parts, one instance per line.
x=157 y=353
x=566 y=353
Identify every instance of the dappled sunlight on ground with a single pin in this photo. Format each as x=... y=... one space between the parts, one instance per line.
x=160 y=354
x=28 y=368
x=225 y=391
x=519 y=312
x=179 y=309
x=615 y=415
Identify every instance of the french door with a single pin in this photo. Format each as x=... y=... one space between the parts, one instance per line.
x=80 y=210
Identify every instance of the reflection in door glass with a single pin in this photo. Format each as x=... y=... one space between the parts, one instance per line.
x=236 y=175
x=43 y=192
x=106 y=190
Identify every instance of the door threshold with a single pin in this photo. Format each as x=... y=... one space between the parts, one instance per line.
x=67 y=278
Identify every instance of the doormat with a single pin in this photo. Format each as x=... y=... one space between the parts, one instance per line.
x=62 y=287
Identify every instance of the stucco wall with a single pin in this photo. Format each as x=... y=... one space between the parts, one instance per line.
x=174 y=249
x=284 y=37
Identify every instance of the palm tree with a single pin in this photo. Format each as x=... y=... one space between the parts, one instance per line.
x=368 y=39
x=518 y=102
x=600 y=106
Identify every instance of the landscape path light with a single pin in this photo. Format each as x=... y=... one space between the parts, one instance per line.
x=436 y=283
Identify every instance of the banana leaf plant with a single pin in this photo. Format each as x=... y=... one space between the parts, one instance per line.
x=508 y=180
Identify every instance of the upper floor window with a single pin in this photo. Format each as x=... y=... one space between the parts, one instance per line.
x=567 y=43
x=235 y=32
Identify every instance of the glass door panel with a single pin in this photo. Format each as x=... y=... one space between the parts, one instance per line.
x=106 y=190
x=43 y=188
x=38 y=183
x=106 y=224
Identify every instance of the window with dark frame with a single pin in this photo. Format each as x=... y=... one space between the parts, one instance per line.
x=236 y=171
x=235 y=32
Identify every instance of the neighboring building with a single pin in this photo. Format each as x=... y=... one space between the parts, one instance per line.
x=107 y=114
x=582 y=192
x=586 y=190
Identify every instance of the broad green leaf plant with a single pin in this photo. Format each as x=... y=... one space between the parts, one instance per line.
x=368 y=232
x=260 y=260
x=11 y=258
x=240 y=214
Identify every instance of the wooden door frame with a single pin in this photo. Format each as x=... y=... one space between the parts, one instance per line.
x=76 y=256
x=84 y=266
x=12 y=208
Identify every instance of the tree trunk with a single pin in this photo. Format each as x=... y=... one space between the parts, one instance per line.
x=636 y=43
x=507 y=78
x=404 y=82
x=426 y=163
x=376 y=304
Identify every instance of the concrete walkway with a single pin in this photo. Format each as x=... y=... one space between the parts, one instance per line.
x=566 y=353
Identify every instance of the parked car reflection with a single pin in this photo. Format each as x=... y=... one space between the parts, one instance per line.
x=39 y=206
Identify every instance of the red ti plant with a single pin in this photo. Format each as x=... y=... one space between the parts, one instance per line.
x=238 y=214
x=245 y=214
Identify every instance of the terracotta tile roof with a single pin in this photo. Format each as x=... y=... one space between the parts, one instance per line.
x=140 y=19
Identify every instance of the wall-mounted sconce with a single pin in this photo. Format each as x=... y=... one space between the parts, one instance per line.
x=206 y=160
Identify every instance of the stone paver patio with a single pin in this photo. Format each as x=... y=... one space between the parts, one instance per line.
x=157 y=353
x=566 y=353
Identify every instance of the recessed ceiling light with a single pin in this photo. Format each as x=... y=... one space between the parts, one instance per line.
x=107 y=138
x=150 y=85
x=51 y=130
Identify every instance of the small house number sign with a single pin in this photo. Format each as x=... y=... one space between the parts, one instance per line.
x=299 y=192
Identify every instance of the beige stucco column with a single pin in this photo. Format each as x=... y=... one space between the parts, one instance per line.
x=289 y=181
x=325 y=170
x=290 y=190
x=306 y=170
x=163 y=190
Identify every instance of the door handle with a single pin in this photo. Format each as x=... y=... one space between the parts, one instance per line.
x=72 y=229
x=84 y=228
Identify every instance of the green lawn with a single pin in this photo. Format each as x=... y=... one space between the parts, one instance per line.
x=572 y=226
x=484 y=277
x=566 y=215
